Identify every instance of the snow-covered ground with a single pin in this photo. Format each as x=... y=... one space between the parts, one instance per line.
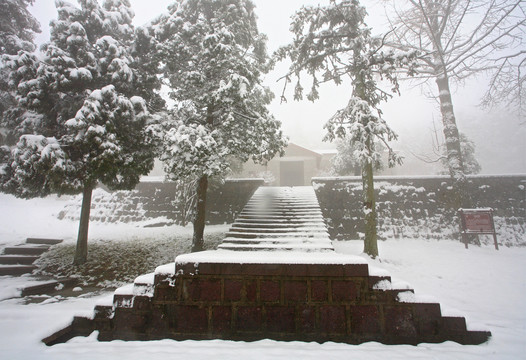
x=488 y=287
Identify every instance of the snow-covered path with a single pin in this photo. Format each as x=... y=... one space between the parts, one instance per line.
x=488 y=287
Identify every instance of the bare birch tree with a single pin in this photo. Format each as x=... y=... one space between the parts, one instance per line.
x=457 y=39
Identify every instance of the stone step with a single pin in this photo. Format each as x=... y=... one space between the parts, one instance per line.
x=18 y=259
x=281 y=240
x=246 y=235
x=281 y=206
x=276 y=225
x=42 y=241
x=26 y=250
x=266 y=221
x=16 y=270
x=262 y=246
x=278 y=213
x=49 y=287
x=80 y=326
x=270 y=200
x=310 y=230
x=288 y=217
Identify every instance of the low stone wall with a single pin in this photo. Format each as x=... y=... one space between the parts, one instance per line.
x=154 y=202
x=421 y=207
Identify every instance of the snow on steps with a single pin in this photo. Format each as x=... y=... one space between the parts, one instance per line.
x=279 y=219
x=18 y=260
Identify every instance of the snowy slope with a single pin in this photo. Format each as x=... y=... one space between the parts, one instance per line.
x=488 y=287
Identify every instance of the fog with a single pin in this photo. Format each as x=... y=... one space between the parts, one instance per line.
x=498 y=134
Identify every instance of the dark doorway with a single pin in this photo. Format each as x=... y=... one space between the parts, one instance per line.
x=291 y=173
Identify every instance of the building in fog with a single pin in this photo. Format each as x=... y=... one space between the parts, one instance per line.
x=295 y=168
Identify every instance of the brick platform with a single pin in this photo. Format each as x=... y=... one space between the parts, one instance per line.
x=309 y=294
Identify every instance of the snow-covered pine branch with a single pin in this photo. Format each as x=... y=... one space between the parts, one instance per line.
x=213 y=59
x=91 y=92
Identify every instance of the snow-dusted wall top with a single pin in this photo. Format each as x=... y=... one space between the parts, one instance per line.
x=422 y=207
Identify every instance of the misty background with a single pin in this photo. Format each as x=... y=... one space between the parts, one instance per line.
x=498 y=133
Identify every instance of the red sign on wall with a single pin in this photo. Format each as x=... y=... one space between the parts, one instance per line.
x=477 y=221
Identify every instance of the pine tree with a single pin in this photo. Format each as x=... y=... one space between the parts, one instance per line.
x=94 y=125
x=213 y=60
x=17 y=29
x=334 y=41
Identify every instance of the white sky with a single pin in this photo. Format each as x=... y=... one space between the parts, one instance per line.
x=500 y=141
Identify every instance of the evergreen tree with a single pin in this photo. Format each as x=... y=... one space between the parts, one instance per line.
x=334 y=41
x=93 y=124
x=17 y=29
x=213 y=59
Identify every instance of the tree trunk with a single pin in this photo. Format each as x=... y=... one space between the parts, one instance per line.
x=452 y=137
x=200 y=215
x=81 y=253
x=369 y=208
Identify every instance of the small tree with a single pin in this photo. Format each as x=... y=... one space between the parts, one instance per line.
x=92 y=125
x=334 y=41
x=213 y=59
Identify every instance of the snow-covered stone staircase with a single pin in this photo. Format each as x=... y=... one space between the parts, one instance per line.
x=19 y=259
x=275 y=276
x=280 y=219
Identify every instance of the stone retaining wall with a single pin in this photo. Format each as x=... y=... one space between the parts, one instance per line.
x=154 y=202
x=420 y=207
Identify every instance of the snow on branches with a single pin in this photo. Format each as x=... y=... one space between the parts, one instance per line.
x=357 y=123
x=213 y=58
x=86 y=93
x=332 y=42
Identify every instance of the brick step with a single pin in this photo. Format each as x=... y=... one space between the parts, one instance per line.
x=26 y=250
x=41 y=241
x=18 y=259
x=49 y=287
x=16 y=270
x=376 y=281
x=454 y=324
